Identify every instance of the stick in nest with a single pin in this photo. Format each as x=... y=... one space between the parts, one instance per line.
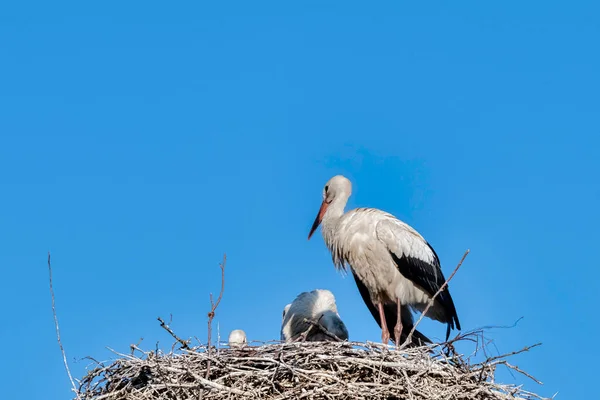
x=441 y=289
x=184 y=343
x=211 y=314
x=62 y=349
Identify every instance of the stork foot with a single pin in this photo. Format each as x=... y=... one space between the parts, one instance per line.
x=398 y=327
x=385 y=336
x=398 y=333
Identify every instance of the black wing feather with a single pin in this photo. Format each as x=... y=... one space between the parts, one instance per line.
x=390 y=311
x=430 y=278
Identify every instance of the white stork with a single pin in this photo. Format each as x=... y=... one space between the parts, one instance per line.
x=237 y=338
x=317 y=306
x=393 y=265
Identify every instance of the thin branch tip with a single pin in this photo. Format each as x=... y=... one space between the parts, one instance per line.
x=431 y=301
x=60 y=345
x=213 y=309
x=165 y=326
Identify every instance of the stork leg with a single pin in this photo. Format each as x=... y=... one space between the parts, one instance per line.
x=398 y=327
x=385 y=334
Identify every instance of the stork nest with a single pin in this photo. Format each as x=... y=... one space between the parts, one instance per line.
x=314 y=370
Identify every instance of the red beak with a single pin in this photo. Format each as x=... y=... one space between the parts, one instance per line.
x=319 y=218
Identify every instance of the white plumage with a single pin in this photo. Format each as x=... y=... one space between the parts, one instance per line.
x=391 y=259
x=237 y=338
x=318 y=306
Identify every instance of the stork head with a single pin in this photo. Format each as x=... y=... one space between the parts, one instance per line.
x=336 y=190
x=334 y=324
x=324 y=309
x=285 y=310
x=318 y=306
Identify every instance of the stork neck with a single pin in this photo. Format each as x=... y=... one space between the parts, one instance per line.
x=330 y=229
x=334 y=213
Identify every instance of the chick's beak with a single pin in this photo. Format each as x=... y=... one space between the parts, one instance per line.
x=319 y=218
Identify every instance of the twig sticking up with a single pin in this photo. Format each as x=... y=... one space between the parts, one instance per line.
x=184 y=343
x=133 y=347
x=441 y=289
x=512 y=353
x=213 y=308
x=62 y=350
x=211 y=313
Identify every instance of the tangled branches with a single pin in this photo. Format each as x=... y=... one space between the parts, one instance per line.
x=315 y=370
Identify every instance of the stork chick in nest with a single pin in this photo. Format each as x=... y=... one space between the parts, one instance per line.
x=319 y=307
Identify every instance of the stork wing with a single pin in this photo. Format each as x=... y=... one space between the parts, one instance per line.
x=391 y=312
x=417 y=261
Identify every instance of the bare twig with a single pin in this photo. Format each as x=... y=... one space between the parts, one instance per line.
x=512 y=353
x=211 y=314
x=184 y=343
x=62 y=350
x=516 y=368
x=302 y=337
x=431 y=301
x=134 y=347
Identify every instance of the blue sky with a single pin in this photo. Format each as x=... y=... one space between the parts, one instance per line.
x=139 y=141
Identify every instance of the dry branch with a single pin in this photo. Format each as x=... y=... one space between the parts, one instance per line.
x=62 y=350
x=213 y=309
x=184 y=343
x=431 y=301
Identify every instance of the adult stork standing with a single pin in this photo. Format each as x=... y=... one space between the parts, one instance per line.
x=318 y=306
x=389 y=259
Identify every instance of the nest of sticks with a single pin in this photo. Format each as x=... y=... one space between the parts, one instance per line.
x=312 y=370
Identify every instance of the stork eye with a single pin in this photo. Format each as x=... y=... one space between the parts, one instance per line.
x=326 y=188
